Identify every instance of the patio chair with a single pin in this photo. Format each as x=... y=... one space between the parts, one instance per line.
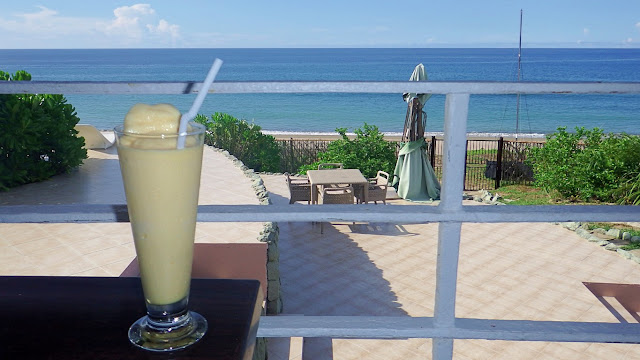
x=377 y=189
x=326 y=166
x=337 y=195
x=299 y=189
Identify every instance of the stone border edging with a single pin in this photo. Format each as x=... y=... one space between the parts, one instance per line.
x=270 y=234
x=486 y=197
x=580 y=229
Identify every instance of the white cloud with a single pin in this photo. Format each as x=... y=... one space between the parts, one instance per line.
x=133 y=11
x=585 y=31
x=44 y=23
x=638 y=25
x=164 y=28
x=137 y=26
x=133 y=24
x=44 y=13
x=127 y=21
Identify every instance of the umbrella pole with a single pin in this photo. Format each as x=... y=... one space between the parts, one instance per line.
x=414 y=122
x=419 y=120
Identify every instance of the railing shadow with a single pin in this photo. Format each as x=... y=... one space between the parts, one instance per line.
x=329 y=274
x=380 y=228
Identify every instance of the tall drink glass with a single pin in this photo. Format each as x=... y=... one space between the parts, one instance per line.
x=161 y=184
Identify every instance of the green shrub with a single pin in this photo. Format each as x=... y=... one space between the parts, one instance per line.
x=587 y=165
x=628 y=193
x=368 y=152
x=37 y=136
x=245 y=141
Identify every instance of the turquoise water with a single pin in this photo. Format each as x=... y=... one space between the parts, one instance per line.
x=322 y=113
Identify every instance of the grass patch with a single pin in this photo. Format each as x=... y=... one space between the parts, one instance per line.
x=481 y=155
x=482 y=152
x=607 y=226
x=527 y=195
x=631 y=246
x=531 y=195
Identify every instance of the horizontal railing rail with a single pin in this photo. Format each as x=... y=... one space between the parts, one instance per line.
x=390 y=327
x=444 y=326
x=96 y=213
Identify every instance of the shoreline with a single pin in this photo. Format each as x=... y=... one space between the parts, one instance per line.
x=282 y=135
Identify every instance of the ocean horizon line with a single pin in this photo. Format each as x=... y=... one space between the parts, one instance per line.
x=452 y=47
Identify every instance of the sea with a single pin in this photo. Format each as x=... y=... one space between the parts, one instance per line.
x=489 y=115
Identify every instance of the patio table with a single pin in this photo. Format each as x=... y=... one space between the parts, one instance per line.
x=336 y=176
x=88 y=318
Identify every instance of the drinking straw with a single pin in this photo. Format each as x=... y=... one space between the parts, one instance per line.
x=191 y=114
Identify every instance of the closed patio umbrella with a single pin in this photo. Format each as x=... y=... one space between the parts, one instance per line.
x=415 y=121
x=414 y=177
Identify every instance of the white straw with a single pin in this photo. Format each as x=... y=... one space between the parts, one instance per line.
x=191 y=114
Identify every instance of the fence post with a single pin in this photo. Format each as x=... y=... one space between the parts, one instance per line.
x=432 y=155
x=291 y=166
x=466 y=164
x=499 y=162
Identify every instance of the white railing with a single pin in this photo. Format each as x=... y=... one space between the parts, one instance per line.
x=443 y=327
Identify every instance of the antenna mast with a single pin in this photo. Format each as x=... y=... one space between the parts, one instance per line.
x=519 y=72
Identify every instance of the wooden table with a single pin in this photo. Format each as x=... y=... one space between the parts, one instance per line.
x=88 y=318
x=336 y=176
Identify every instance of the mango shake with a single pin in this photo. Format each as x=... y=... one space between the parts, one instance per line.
x=160 y=155
x=161 y=185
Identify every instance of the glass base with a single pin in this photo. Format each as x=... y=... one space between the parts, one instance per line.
x=149 y=337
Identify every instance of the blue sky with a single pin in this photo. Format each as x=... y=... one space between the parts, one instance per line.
x=326 y=23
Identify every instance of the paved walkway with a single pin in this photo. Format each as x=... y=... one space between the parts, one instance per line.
x=106 y=249
x=507 y=271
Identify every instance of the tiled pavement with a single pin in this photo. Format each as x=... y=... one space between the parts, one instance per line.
x=507 y=271
x=106 y=249
x=531 y=271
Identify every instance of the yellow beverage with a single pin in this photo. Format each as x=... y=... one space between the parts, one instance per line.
x=162 y=196
x=161 y=184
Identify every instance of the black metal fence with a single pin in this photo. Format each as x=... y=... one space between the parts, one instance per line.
x=491 y=163
x=297 y=152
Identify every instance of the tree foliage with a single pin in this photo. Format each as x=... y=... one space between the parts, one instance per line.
x=368 y=152
x=243 y=140
x=37 y=136
x=588 y=165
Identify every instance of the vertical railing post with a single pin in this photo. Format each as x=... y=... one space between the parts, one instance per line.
x=499 y=162
x=453 y=162
x=454 y=152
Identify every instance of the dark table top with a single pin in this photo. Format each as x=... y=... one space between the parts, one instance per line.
x=88 y=318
